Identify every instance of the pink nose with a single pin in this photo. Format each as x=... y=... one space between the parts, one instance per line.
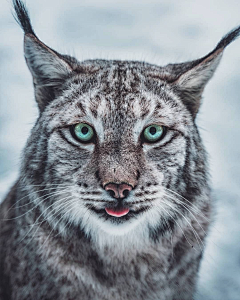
x=118 y=191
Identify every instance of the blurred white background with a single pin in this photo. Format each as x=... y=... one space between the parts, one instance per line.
x=158 y=32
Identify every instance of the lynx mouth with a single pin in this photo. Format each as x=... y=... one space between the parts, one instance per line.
x=119 y=214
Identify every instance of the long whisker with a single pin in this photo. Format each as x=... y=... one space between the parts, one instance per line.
x=56 y=192
x=194 y=231
x=59 y=208
x=49 y=184
x=185 y=205
x=55 y=225
x=182 y=204
x=43 y=198
x=35 y=223
x=192 y=207
x=29 y=195
x=177 y=224
x=71 y=211
x=191 y=204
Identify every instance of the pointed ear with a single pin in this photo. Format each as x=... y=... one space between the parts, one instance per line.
x=190 y=85
x=192 y=77
x=48 y=68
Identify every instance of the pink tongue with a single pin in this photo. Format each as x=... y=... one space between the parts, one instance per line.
x=118 y=213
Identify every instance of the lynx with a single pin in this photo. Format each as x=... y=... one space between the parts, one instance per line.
x=113 y=199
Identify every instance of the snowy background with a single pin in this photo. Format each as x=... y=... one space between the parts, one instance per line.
x=158 y=32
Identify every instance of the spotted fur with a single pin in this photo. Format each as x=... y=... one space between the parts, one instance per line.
x=57 y=240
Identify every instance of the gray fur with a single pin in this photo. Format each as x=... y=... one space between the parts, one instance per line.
x=56 y=242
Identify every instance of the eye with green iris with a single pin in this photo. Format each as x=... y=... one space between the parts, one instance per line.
x=153 y=133
x=83 y=132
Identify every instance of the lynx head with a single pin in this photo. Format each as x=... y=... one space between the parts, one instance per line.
x=115 y=150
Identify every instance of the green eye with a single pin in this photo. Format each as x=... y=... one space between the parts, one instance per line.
x=153 y=133
x=83 y=132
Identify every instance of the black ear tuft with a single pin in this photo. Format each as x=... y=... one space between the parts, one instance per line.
x=228 y=38
x=49 y=69
x=21 y=15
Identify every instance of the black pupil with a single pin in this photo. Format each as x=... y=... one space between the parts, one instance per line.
x=152 y=130
x=84 y=130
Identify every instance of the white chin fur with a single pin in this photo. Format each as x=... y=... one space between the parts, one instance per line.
x=129 y=237
x=116 y=229
x=131 y=234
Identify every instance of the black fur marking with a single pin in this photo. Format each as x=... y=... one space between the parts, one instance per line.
x=21 y=15
x=91 y=193
x=228 y=38
x=63 y=137
x=138 y=175
x=145 y=193
x=176 y=134
x=97 y=176
x=225 y=41
x=156 y=233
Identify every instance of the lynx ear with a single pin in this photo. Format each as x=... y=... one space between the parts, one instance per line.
x=48 y=68
x=192 y=77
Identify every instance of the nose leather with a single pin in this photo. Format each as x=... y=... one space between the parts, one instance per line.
x=118 y=189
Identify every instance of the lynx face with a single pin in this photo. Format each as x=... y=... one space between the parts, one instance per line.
x=124 y=175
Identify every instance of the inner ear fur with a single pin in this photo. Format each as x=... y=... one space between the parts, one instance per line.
x=190 y=84
x=48 y=68
x=189 y=79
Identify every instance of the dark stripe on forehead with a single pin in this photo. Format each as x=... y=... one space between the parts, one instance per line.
x=79 y=105
x=144 y=104
x=94 y=105
x=83 y=88
x=93 y=111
